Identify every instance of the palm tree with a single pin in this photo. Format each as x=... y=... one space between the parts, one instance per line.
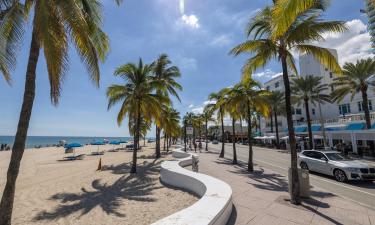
x=207 y=115
x=216 y=97
x=12 y=23
x=188 y=120
x=201 y=120
x=357 y=78
x=230 y=106
x=164 y=77
x=137 y=98
x=304 y=90
x=248 y=95
x=55 y=23
x=289 y=25
x=276 y=102
x=170 y=124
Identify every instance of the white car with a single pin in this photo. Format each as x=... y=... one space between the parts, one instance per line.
x=335 y=164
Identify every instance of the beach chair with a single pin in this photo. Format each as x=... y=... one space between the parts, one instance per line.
x=75 y=157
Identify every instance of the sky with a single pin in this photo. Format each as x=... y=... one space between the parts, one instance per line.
x=197 y=35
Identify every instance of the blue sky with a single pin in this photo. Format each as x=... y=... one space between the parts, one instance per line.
x=197 y=37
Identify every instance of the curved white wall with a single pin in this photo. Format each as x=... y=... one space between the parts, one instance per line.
x=214 y=206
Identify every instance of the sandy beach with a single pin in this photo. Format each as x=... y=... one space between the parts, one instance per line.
x=50 y=191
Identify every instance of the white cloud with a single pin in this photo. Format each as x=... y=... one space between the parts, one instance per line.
x=190 y=106
x=197 y=110
x=351 y=45
x=209 y=102
x=190 y=21
x=266 y=74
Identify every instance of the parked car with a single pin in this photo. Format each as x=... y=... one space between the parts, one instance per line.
x=215 y=142
x=335 y=164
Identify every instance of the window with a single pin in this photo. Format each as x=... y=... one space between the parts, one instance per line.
x=360 y=106
x=277 y=84
x=344 y=109
x=298 y=111
x=313 y=111
x=330 y=75
x=326 y=69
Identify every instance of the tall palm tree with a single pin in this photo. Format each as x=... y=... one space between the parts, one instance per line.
x=276 y=102
x=164 y=76
x=248 y=95
x=304 y=90
x=137 y=98
x=207 y=114
x=356 y=79
x=217 y=97
x=289 y=25
x=54 y=24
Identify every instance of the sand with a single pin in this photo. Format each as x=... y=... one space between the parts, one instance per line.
x=50 y=191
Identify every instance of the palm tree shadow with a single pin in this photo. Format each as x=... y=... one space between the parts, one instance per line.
x=134 y=187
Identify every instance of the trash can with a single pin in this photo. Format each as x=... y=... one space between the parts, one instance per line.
x=304 y=182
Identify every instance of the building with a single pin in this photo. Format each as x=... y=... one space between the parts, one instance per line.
x=370 y=11
x=344 y=121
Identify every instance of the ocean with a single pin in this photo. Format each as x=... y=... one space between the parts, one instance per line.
x=44 y=141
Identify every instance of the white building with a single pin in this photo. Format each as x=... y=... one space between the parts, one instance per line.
x=337 y=116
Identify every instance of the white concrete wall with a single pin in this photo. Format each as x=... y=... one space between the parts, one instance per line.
x=215 y=205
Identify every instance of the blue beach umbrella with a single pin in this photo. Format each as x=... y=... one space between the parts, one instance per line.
x=72 y=146
x=98 y=143
x=114 y=142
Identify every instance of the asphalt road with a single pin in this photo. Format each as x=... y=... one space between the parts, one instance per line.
x=362 y=192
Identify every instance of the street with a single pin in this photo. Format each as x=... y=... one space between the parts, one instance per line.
x=279 y=161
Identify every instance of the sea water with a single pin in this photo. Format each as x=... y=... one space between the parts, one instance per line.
x=45 y=141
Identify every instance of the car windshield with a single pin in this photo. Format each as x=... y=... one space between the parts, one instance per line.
x=337 y=157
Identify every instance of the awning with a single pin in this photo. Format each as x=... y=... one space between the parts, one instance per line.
x=300 y=129
x=315 y=128
x=355 y=126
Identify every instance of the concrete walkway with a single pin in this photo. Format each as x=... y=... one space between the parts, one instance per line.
x=261 y=197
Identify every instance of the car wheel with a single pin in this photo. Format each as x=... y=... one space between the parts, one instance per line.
x=304 y=166
x=340 y=175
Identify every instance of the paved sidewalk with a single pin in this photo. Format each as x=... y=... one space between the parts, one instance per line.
x=262 y=198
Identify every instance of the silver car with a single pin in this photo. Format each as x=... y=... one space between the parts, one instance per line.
x=335 y=164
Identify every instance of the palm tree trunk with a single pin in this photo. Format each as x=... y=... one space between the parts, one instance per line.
x=295 y=192
x=241 y=131
x=366 y=109
x=136 y=139
x=250 y=164
x=157 y=147
x=222 y=135
x=367 y=117
x=234 y=141
x=168 y=139
x=277 y=130
x=325 y=144
x=271 y=124
x=311 y=144
x=194 y=141
x=206 y=134
x=185 y=140
x=7 y=200
x=165 y=139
